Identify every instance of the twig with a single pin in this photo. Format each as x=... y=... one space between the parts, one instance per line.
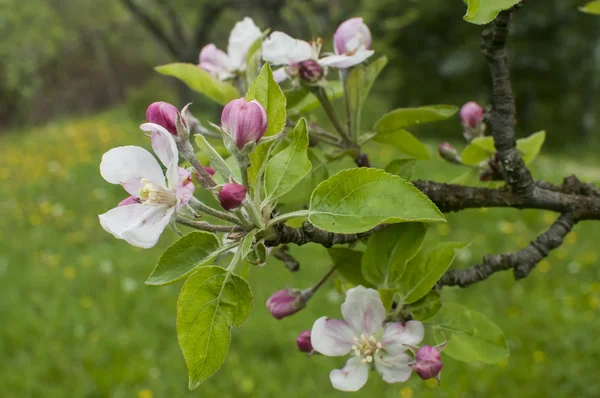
x=521 y=262
x=283 y=255
x=204 y=226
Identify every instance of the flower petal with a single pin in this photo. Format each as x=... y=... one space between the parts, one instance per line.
x=397 y=336
x=352 y=377
x=346 y=61
x=165 y=148
x=127 y=165
x=281 y=49
x=280 y=75
x=146 y=232
x=332 y=337
x=363 y=310
x=119 y=219
x=393 y=369
x=244 y=33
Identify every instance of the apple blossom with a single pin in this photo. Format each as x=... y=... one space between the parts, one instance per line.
x=427 y=363
x=449 y=153
x=286 y=302
x=244 y=122
x=471 y=116
x=282 y=49
x=303 y=342
x=141 y=218
x=352 y=45
x=231 y=196
x=163 y=114
x=225 y=65
x=371 y=343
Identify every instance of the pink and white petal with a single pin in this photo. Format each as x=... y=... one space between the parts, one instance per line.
x=129 y=163
x=393 y=369
x=119 y=219
x=345 y=61
x=146 y=232
x=363 y=310
x=165 y=148
x=280 y=75
x=398 y=336
x=130 y=200
x=281 y=49
x=332 y=337
x=243 y=34
x=351 y=377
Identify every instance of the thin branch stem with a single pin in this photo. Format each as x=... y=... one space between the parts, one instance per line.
x=204 y=208
x=204 y=226
x=328 y=108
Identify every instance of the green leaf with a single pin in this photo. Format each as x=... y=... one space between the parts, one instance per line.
x=481 y=12
x=387 y=297
x=402 y=167
x=389 y=250
x=405 y=117
x=424 y=271
x=425 y=308
x=300 y=194
x=301 y=100
x=266 y=91
x=359 y=81
x=356 y=200
x=191 y=251
x=471 y=336
x=216 y=160
x=286 y=169
x=253 y=58
x=347 y=264
x=591 y=8
x=530 y=147
x=405 y=142
x=200 y=81
x=212 y=301
x=478 y=150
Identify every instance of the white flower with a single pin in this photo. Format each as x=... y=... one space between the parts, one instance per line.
x=282 y=49
x=352 y=45
x=141 y=220
x=224 y=66
x=370 y=342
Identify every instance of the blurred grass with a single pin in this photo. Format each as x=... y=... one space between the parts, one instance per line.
x=78 y=320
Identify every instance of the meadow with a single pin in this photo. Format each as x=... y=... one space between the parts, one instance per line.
x=78 y=320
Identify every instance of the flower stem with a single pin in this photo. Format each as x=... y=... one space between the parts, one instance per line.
x=198 y=205
x=351 y=127
x=322 y=281
x=328 y=108
x=204 y=226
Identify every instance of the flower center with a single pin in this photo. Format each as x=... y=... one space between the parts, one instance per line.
x=366 y=347
x=153 y=195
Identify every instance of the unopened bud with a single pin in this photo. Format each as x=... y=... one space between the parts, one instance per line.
x=244 y=122
x=351 y=36
x=165 y=115
x=310 y=71
x=232 y=195
x=449 y=153
x=303 y=342
x=286 y=302
x=471 y=114
x=428 y=363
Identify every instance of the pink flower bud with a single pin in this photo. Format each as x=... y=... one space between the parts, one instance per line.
x=449 y=153
x=285 y=302
x=163 y=114
x=129 y=201
x=427 y=362
x=232 y=195
x=471 y=114
x=244 y=121
x=209 y=170
x=310 y=71
x=303 y=342
x=350 y=36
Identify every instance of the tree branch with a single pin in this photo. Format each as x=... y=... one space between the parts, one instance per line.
x=502 y=117
x=152 y=26
x=521 y=262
